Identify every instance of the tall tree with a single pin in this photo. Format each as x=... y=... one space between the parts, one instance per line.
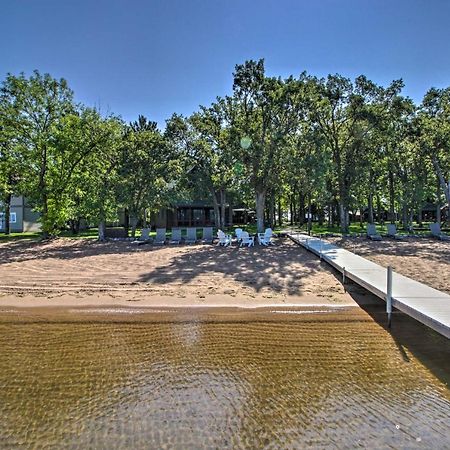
x=147 y=171
x=33 y=109
x=267 y=112
x=434 y=128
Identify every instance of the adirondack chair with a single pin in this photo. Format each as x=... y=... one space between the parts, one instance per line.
x=266 y=237
x=144 y=238
x=436 y=232
x=247 y=240
x=207 y=237
x=224 y=239
x=372 y=232
x=176 y=236
x=238 y=232
x=191 y=237
x=392 y=232
x=160 y=238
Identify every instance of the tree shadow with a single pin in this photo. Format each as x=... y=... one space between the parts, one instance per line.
x=281 y=268
x=21 y=250
x=426 y=247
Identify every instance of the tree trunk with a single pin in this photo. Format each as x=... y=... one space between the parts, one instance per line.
x=101 y=231
x=272 y=210
x=370 y=208
x=260 y=205
x=280 y=213
x=230 y=214
x=301 y=212
x=370 y=198
x=391 y=197
x=144 y=221
x=405 y=216
x=343 y=217
x=126 y=221
x=291 y=212
x=134 y=222
x=379 y=213
x=309 y=214
x=222 y=208
x=7 y=213
x=215 y=206
x=445 y=186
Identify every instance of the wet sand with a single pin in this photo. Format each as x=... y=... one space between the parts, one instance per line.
x=85 y=272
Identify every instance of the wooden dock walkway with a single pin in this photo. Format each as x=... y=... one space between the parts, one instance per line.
x=422 y=302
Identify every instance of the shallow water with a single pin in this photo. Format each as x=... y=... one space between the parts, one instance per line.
x=179 y=379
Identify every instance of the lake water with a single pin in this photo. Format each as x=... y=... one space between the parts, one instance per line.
x=221 y=379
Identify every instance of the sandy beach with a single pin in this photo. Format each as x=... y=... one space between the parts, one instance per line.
x=82 y=272
x=424 y=259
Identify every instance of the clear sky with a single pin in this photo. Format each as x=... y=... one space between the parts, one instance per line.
x=156 y=57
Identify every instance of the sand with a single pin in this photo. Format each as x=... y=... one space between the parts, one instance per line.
x=423 y=259
x=81 y=272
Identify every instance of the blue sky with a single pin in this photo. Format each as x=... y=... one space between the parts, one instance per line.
x=156 y=57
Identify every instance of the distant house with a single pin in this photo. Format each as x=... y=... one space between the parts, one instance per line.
x=22 y=217
x=198 y=214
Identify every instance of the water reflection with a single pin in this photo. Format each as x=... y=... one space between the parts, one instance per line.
x=185 y=380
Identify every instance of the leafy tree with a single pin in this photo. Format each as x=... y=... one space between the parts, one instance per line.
x=267 y=110
x=33 y=109
x=434 y=131
x=147 y=171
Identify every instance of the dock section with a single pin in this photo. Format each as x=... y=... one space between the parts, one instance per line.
x=425 y=304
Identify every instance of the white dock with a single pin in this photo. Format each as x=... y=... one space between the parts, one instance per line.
x=422 y=302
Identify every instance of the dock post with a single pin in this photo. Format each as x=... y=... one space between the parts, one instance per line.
x=321 y=246
x=343 y=275
x=389 y=295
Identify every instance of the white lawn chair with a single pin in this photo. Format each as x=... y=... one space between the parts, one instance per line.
x=247 y=240
x=266 y=237
x=238 y=233
x=176 y=236
x=160 y=238
x=436 y=232
x=191 y=237
x=372 y=232
x=224 y=239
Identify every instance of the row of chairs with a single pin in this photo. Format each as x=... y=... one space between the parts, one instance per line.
x=244 y=239
x=435 y=230
x=176 y=236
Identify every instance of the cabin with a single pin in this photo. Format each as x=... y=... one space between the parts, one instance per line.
x=22 y=217
x=198 y=214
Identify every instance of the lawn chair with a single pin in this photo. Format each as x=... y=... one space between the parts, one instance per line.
x=224 y=239
x=191 y=237
x=176 y=236
x=392 y=232
x=238 y=233
x=160 y=238
x=247 y=240
x=207 y=237
x=144 y=238
x=266 y=237
x=437 y=233
x=372 y=232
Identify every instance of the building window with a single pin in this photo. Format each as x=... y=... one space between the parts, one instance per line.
x=12 y=218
